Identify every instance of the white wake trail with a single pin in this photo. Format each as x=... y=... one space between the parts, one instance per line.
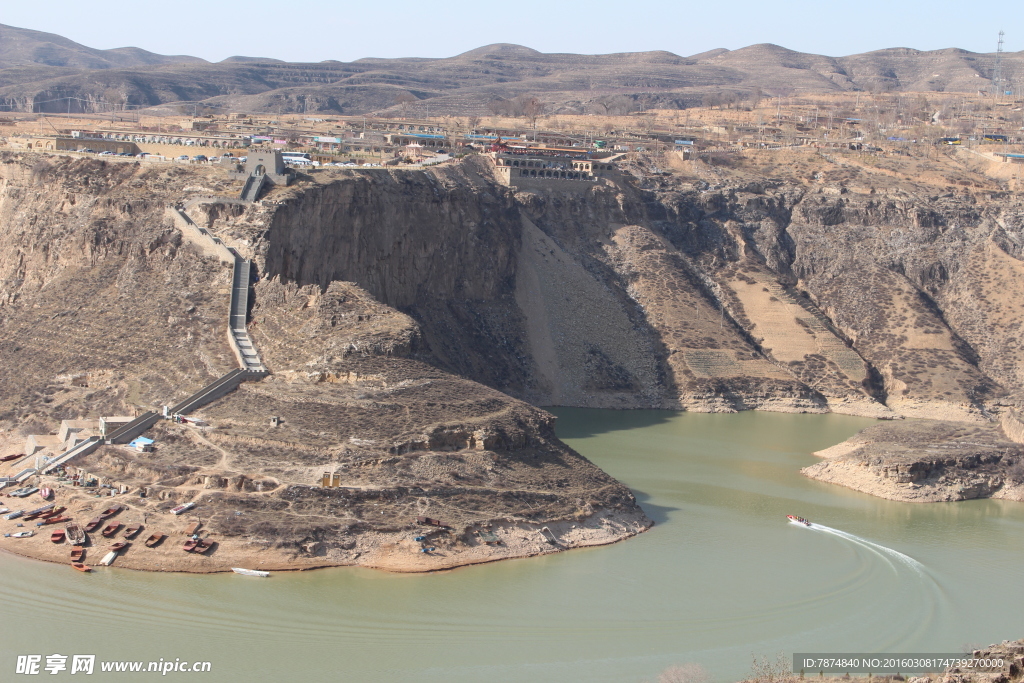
x=885 y=552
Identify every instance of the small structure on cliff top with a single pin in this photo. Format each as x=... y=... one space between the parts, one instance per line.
x=262 y=165
x=534 y=170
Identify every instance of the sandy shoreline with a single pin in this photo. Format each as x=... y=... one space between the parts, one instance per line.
x=394 y=552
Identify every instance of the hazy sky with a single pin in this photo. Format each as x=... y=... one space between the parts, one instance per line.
x=314 y=30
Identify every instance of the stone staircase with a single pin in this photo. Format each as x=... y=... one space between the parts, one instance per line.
x=253 y=186
x=251 y=369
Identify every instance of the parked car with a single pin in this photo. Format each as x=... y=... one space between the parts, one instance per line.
x=106 y=153
x=183 y=157
x=199 y=157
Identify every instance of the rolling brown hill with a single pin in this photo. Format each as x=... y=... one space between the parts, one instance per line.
x=22 y=46
x=39 y=71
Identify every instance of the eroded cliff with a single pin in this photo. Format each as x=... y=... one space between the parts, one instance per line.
x=403 y=314
x=107 y=310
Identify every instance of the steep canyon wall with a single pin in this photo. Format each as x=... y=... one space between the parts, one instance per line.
x=755 y=295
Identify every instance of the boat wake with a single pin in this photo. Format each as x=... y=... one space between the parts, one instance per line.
x=888 y=554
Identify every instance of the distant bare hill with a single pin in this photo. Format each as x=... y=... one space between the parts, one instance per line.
x=22 y=46
x=38 y=69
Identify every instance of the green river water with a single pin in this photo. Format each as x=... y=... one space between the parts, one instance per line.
x=720 y=578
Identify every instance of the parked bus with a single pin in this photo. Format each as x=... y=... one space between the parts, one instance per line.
x=288 y=156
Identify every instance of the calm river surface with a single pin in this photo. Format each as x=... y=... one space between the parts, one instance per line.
x=720 y=578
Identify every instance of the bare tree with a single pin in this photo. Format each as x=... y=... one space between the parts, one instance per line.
x=711 y=100
x=500 y=107
x=532 y=108
x=766 y=670
x=614 y=105
x=403 y=100
x=755 y=96
x=685 y=673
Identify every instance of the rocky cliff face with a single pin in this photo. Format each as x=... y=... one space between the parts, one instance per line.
x=102 y=307
x=105 y=310
x=755 y=295
x=403 y=313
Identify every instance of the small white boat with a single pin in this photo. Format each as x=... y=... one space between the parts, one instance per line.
x=108 y=558
x=249 y=572
x=23 y=534
x=185 y=507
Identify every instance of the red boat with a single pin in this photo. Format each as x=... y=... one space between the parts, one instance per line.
x=54 y=512
x=118 y=547
x=57 y=536
x=77 y=553
x=110 y=512
x=132 y=530
x=202 y=546
x=111 y=529
x=798 y=520
x=8 y=458
x=56 y=520
x=155 y=540
x=191 y=544
x=93 y=524
x=81 y=567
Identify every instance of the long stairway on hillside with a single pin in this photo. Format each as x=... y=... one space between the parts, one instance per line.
x=251 y=367
x=248 y=357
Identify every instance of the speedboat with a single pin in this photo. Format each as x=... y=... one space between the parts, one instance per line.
x=798 y=520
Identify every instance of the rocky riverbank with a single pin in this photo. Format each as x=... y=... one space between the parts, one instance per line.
x=926 y=461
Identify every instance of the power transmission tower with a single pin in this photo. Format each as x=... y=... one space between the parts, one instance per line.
x=997 y=70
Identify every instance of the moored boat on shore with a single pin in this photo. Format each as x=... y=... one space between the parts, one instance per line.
x=250 y=572
x=54 y=513
x=184 y=507
x=154 y=540
x=81 y=567
x=132 y=530
x=76 y=536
